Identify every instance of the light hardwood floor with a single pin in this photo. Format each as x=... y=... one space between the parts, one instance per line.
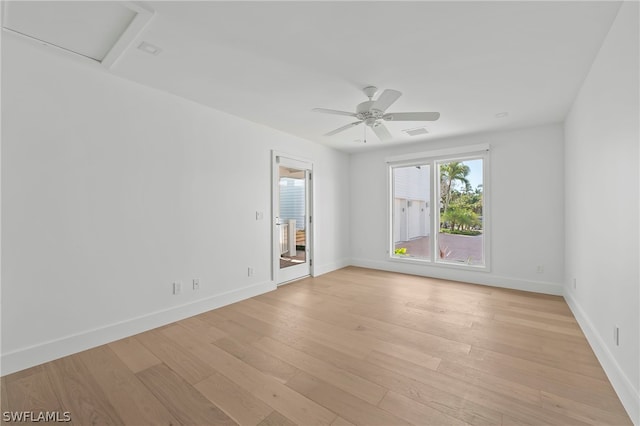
x=355 y=346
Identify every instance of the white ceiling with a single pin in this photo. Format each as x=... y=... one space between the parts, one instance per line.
x=272 y=62
x=100 y=24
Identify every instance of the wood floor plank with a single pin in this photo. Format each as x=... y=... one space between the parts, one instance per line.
x=266 y=388
x=134 y=354
x=182 y=400
x=518 y=337
x=512 y=421
x=419 y=320
x=355 y=328
x=531 y=380
x=476 y=406
x=339 y=421
x=482 y=406
x=79 y=393
x=435 y=398
x=24 y=373
x=4 y=396
x=33 y=392
x=237 y=403
x=338 y=377
x=423 y=340
x=231 y=327
x=542 y=354
x=511 y=366
x=491 y=382
x=354 y=346
x=202 y=328
x=436 y=305
x=493 y=399
x=291 y=404
x=343 y=403
x=133 y=402
x=563 y=329
x=178 y=357
x=276 y=419
x=346 y=340
x=596 y=416
x=533 y=315
x=285 y=333
x=264 y=362
x=416 y=413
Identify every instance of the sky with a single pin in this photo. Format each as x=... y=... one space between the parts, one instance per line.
x=475 y=173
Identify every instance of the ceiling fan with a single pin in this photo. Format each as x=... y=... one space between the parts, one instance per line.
x=372 y=113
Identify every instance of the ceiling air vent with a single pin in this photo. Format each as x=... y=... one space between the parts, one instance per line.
x=417 y=131
x=98 y=30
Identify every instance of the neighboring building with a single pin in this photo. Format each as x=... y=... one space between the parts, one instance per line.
x=411 y=201
x=292 y=201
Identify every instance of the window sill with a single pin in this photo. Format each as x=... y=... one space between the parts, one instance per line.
x=426 y=262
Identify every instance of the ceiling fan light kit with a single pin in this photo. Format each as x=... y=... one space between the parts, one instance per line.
x=372 y=113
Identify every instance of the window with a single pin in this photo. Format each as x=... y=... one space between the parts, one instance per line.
x=438 y=208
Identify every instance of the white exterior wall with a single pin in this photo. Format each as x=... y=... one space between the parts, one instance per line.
x=412 y=183
x=411 y=212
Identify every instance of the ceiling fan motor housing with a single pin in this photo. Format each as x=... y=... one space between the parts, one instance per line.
x=369 y=115
x=364 y=107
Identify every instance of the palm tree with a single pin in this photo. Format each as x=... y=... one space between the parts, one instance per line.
x=449 y=173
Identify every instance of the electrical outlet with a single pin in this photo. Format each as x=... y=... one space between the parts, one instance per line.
x=249 y=271
x=177 y=287
x=540 y=269
x=259 y=215
x=616 y=335
x=196 y=283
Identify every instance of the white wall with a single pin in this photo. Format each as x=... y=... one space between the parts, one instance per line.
x=602 y=214
x=112 y=190
x=526 y=175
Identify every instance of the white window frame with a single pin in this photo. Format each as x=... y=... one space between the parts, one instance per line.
x=432 y=159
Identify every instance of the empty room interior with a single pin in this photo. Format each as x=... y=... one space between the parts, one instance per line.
x=306 y=212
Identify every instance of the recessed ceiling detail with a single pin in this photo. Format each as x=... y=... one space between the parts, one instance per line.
x=98 y=30
x=416 y=132
x=149 y=48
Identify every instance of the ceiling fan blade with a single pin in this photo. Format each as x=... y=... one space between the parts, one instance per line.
x=381 y=132
x=343 y=128
x=411 y=116
x=385 y=100
x=333 y=111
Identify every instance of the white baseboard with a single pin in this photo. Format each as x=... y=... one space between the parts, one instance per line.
x=44 y=352
x=464 y=276
x=629 y=396
x=330 y=267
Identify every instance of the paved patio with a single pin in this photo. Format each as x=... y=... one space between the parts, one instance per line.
x=458 y=248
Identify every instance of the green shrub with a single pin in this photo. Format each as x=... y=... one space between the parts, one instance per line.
x=469 y=232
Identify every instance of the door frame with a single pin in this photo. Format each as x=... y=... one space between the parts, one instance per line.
x=304 y=164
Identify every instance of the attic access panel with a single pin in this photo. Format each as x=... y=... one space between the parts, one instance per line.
x=98 y=30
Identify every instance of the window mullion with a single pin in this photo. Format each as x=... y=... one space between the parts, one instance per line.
x=434 y=208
